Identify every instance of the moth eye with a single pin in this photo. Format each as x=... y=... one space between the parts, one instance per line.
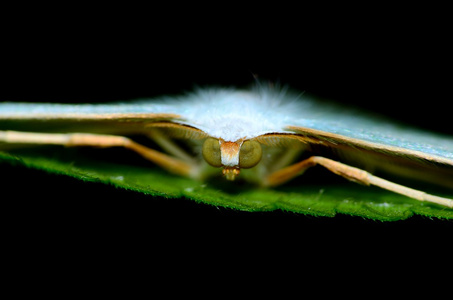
x=250 y=154
x=211 y=152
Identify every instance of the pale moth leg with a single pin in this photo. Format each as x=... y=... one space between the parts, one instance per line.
x=172 y=164
x=169 y=146
x=352 y=174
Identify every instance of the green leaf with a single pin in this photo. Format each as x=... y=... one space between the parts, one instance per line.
x=300 y=196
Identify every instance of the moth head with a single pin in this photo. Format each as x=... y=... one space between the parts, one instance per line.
x=232 y=156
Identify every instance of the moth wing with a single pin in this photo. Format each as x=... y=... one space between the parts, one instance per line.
x=418 y=156
x=426 y=152
x=118 y=118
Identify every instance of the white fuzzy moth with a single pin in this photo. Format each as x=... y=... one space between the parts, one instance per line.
x=262 y=131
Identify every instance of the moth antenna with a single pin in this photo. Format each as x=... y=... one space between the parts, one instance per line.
x=180 y=131
x=284 y=140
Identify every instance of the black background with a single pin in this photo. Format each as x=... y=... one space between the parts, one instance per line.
x=404 y=74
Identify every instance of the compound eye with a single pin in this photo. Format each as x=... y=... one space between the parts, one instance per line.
x=211 y=152
x=250 y=154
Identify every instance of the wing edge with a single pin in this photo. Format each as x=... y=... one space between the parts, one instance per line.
x=335 y=138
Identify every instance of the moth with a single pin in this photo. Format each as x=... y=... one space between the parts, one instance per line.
x=257 y=135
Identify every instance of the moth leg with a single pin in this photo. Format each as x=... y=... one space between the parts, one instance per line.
x=172 y=164
x=352 y=174
x=169 y=146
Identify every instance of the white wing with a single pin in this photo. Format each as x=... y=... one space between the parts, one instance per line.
x=231 y=114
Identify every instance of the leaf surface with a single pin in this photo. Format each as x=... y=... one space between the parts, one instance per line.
x=304 y=197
